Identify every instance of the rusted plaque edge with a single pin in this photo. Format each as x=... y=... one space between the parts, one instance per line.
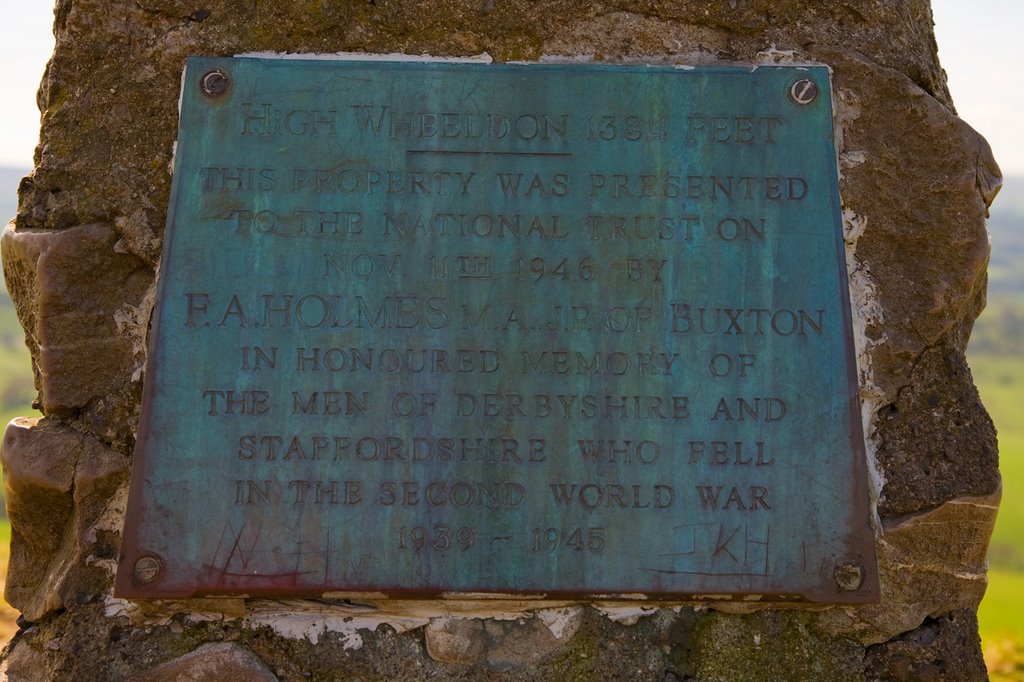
x=321 y=210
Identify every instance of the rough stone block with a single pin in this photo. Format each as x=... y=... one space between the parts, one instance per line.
x=57 y=483
x=906 y=193
x=211 y=663
x=521 y=643
x=936 y=440
x=500 y=644
x=24 y=663
x=72 y=289
x=920 y=207
x=456 y=640
x=945 y=648
x=928 y=564
x=772 y=646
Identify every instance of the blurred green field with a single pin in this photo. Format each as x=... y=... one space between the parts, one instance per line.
x=1000 y=381
x=1000 y=619
x=1007 y=548
x=1001 y=384
x=998 y=613
x=8 y=616
x=16 y=389
x=996 y=356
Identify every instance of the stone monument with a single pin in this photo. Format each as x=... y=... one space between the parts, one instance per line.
x=523 y=341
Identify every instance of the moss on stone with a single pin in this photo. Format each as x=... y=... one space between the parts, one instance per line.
x=772 y=646
x=579 y=660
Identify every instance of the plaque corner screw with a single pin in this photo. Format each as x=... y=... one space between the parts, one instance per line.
x=804 y=91
x=848 y=576
x=148 y=569
x=214 y=83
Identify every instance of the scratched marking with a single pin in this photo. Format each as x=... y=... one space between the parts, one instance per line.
x=727 y=549
x=240 y=554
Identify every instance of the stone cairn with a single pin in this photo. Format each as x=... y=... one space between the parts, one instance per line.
x=81 y=258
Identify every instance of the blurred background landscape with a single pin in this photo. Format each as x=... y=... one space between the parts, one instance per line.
x=996 y=357
x=980 y=50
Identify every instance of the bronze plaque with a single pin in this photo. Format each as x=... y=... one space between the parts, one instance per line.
x=429 y=328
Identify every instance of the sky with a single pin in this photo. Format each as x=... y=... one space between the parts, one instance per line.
x=979 y=44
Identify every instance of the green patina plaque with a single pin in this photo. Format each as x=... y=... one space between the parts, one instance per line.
x=432 y=328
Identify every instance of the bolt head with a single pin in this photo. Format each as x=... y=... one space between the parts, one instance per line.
x=804 y=91
x=849 y=577
x=147 y=569
x=214 y=83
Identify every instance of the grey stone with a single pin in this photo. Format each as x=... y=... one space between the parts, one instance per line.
x=77 y=299
x=23 y=663
x=456 y=640
x=57 y=483
x=929 y=564
x=210 y=663
x=520 y=643
x=943 y=648
x=501 y=644
x=773 y=646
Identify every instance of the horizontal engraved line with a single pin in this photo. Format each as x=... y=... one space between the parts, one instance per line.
x=457 y=152
x=668 y=571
